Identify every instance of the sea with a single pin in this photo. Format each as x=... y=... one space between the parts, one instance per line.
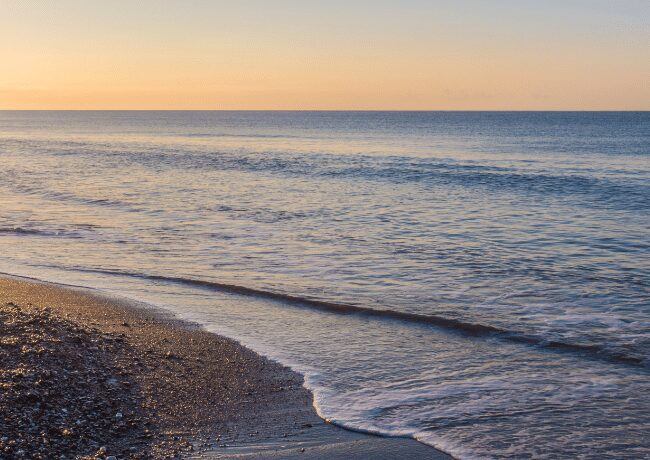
x=478 y=281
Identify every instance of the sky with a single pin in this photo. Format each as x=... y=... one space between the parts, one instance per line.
x=325 y=55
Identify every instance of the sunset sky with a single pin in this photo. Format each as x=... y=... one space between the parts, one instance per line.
x=334 y=54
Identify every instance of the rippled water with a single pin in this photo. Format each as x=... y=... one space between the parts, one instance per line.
x=480 y=281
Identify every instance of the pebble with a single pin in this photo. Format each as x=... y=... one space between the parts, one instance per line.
x=58 y=396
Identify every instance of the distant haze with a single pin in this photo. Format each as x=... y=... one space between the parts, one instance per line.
x=352 y=54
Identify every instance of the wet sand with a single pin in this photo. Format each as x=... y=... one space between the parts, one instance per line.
x=87 y=375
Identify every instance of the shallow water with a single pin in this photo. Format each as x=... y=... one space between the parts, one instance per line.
x=480 y=281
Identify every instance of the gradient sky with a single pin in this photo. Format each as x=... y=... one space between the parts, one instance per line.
x=334 y=54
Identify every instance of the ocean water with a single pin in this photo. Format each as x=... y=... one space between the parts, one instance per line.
x=478 y=281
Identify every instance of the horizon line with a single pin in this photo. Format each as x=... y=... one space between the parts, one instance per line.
x=327 y=110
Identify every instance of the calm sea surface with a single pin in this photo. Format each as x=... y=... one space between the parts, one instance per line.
x=479 y=281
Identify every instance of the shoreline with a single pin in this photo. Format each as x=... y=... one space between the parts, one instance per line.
x=194 y=394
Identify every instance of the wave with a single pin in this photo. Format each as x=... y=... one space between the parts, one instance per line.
x=23 y=231
x=251 y=135
x=593 y=351
x=591 y=190
x=70 y=197
x=37 y=232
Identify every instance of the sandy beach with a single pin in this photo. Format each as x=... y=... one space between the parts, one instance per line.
x=88 y=376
